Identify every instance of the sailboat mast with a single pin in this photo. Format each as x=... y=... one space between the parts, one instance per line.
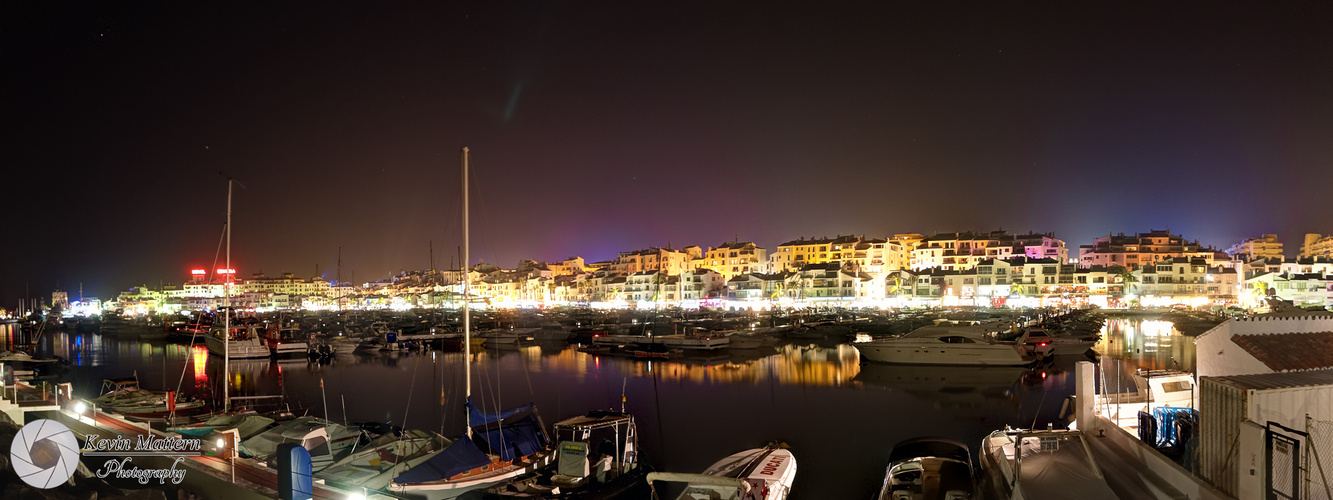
x=467 y=313
x=226 y=315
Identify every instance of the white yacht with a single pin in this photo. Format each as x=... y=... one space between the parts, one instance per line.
x=945 y=345
x=246 y=342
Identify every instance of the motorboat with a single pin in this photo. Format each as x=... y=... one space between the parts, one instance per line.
x=1038 y=339
x=1040 y=464
x=285 y=341
x=929 y=469
x=246 y=341
x=945 y=345
x=597 y=457
x=760 y=474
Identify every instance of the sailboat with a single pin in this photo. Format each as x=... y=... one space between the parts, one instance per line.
x=516 y=438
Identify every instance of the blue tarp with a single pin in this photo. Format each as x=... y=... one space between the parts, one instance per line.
x=512 y=440
x=462 y=456
x=479 y=417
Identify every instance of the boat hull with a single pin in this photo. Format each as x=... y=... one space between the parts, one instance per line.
x=913 y=353
x=238 y=349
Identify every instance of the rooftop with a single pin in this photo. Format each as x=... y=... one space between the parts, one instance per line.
x=1285 y=352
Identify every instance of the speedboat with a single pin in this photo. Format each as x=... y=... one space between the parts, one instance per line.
x=929 y=469
x=946 y=345
x=1052 y=463
x=759 y=474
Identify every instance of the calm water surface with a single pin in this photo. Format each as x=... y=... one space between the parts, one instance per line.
x=840 y=417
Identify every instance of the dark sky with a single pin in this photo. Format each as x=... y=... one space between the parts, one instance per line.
x=600 y=127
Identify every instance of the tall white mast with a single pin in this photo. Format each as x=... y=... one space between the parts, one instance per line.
x=226 y=314
x=467 y=314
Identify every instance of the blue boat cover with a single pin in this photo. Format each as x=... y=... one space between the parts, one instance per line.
x=512 y=440
x=462 y=456
x=479 y=417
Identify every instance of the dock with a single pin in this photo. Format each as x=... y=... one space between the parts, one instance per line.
x=207 y=476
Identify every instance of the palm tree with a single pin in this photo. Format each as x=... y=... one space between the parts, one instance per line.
x=659 y=279
x=1126 y=277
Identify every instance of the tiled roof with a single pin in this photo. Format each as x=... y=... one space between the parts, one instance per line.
x=1290 y=351
x=1264 y=381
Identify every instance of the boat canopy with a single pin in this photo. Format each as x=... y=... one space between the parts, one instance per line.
x=700 y=479
x=461 y=456
x=930 y=447
x=480 y=417
x=514 y=439
x=594 y=420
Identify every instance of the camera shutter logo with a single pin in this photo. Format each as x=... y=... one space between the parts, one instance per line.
x=45 y=453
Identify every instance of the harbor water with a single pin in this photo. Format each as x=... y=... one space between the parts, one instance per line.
x=839 y=416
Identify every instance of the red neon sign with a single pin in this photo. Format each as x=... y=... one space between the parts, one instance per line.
x=226 y=271
x=198 y=272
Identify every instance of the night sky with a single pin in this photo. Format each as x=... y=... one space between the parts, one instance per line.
x=602 y=127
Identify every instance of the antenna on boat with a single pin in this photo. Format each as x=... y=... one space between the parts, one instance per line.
x=467 y=313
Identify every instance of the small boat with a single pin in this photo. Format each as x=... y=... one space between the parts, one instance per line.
x=21 y=358
x=1052 y=463
x=929 y=469
x=759 y=474
x=597 y=458
x=326 y=441
x=123 y=396
x=247 y=424
x=373 y=466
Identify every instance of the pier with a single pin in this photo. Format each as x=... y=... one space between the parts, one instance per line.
x=215 y=476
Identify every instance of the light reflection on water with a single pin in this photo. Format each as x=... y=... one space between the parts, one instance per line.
x=840 y=417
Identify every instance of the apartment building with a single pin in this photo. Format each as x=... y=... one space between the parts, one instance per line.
x=1316 y=245
x=799 y=253
x=732 y=259
x=1264 y=247
x=1144 y=248
x=962 y=251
